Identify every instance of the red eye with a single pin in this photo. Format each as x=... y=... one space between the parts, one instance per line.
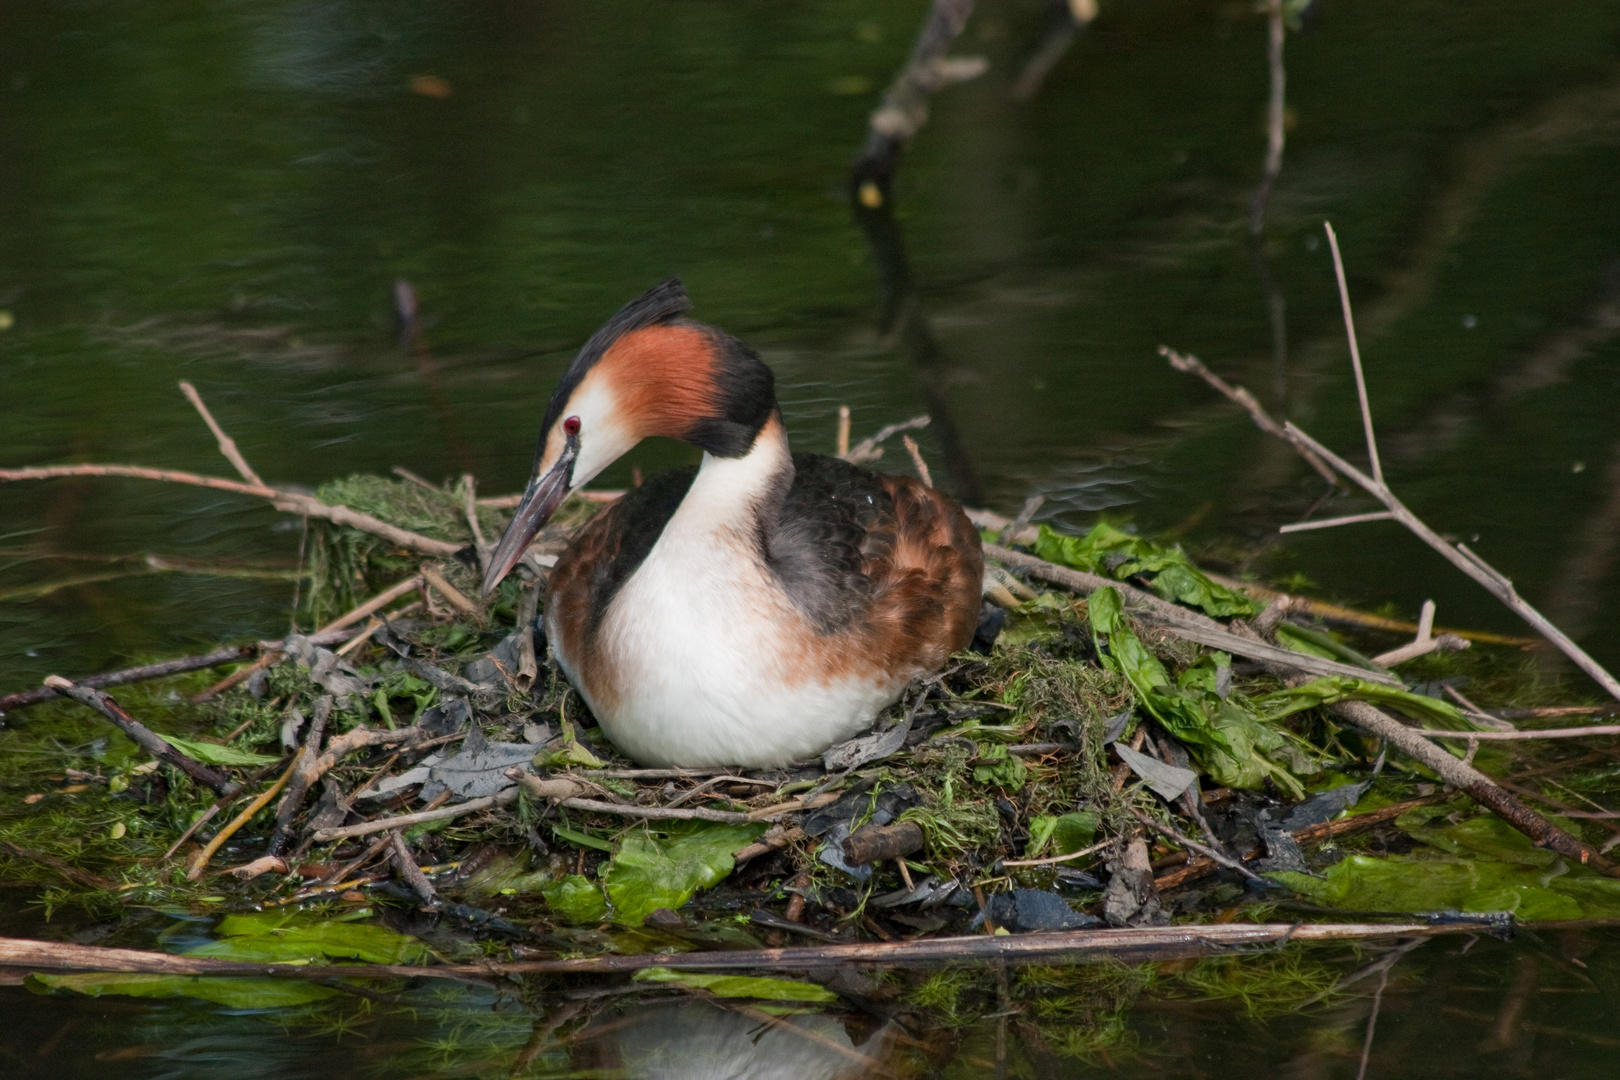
x=571 y=425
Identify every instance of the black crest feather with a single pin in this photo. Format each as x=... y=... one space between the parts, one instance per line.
x=659 y=304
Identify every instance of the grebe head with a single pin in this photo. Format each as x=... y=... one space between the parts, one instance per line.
x=646 y=372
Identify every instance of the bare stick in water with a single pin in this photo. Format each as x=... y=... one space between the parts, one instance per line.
x=140 y=734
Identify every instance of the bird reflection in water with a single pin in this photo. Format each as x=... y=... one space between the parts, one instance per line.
x=701 y=1040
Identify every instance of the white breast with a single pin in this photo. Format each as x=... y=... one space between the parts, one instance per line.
x=708 y=655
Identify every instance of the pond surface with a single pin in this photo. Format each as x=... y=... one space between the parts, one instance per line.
x=228 y=192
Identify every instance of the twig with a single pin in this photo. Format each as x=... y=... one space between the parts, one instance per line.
x=1304 y=605
x=528 y=607
x=841 y=442
x=1372 y=1022
x=1163 y=942
x=1469 y=563
x=1510 y=736
x=1355 y=352
x=213 y=811
x=1015 y=528
x=1459 y=555
x=227 y=445
x=412 y=873
x=405 y=474
x=470 y=488
x=361 y=638
x=457 y=599
x=366 y=828
x=917 y=460
x=1070 y=18
x=141 y=735
x=1193 y=845
x=200 y=860
x=1053 y=859
x=290 y=502
x=304 y=775
x=868 y=450
x=1241 y=396
x=229 y=655
x=273 y=655
x=138 y=472
x=565 y=791
x=1335 y=522
x=331 y=880
x=905 y=104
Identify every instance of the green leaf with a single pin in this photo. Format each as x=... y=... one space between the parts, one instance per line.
x=1254 y=748
x=1117 y=554
x=575 y=900
x=276 y=936
x=1303 y=639
x=651 y=872
x=1429 y=883
x=1119 y=649
x=1235 y=746
x=214 y=754
x=1063 y=834
x=581 y=839
x=1489 y=836
x=1332 y=688
x=571 y=755
x=1000 y=768
x=739 y=986
x=231 y=992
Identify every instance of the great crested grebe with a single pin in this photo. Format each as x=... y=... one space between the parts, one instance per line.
x=754 y=610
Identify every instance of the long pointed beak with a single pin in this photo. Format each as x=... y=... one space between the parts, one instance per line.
x=540 y=501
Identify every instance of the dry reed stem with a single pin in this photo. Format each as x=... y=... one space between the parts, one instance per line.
x=1355 y=352
x=455 y=596
x=200 y=860
x=917 y=461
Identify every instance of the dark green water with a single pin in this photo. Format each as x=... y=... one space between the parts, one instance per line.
x=226 y=193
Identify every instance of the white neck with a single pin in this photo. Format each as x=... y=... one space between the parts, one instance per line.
x=729 y=493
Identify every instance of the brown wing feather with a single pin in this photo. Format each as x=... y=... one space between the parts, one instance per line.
x=928 y=588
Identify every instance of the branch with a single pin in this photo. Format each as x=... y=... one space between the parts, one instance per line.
x=905 y=104
x=1262 y=419
x=199 y=861
x=288 y=502
x=1163 y=942
x=227 y=445
x=1469 y=563
x=141 y=735
x=229 y=655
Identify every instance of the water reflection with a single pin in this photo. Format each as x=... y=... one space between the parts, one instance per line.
x=699 y=1040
